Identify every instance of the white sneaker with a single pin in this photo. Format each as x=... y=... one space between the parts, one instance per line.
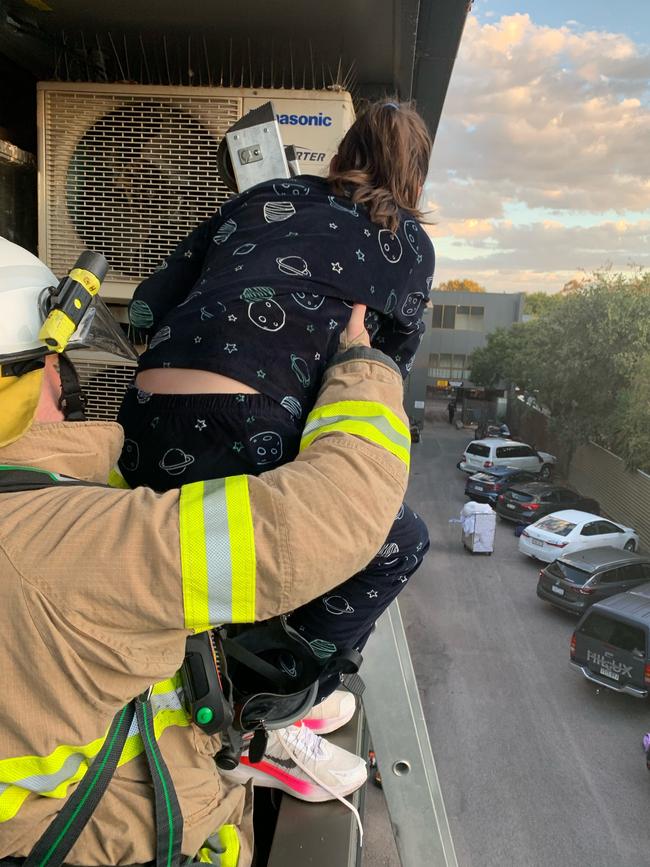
x=304 y=765
x=332 y=713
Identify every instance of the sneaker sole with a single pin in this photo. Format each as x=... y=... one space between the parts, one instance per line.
x=275 y=778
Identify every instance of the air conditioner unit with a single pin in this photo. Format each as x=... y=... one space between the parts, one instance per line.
x=130 y=170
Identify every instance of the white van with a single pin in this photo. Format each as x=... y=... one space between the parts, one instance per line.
x=496 y=452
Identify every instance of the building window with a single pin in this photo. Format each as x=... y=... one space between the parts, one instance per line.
x=469 y=318
x=449 y=316
x=459 y=317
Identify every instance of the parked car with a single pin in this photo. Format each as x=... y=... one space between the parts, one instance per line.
x=529 y=502
x=487 y=485
x=576 y=581
x=498 y=452
x=611 y=641
x=570 y=530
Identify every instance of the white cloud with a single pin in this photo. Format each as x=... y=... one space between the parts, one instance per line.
x=542 y=117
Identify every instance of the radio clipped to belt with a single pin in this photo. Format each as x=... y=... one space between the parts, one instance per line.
x=253 y=679
x=208 y=691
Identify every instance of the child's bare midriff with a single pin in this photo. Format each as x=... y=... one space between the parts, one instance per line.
x=181 y=380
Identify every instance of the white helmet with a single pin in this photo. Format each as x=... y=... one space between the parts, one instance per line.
x=24 y=281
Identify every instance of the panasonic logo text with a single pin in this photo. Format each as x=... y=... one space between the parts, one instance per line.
x=319 y=119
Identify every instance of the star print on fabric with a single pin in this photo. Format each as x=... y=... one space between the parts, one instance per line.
x=154 y=421
x=166 y=364
x=261 y=373
x=310 y=328
x=198 y=339
x=292 y=235
x=418 y=547
x=317 y=356
x=379 y=340
x=188 y=254
x=366 y=232
x=240 y=398
x=332 y=324
x=398 y=358
x=250 y=419
x=237 y=447
x=372 y=290
x=372 y=594
x=361 y=256
x=230 y=348
x=333 y=226
x=239 y=267
x=336 y=266
x=419 y=258
x=232 y=318
x=403 y=579
x=200 y=424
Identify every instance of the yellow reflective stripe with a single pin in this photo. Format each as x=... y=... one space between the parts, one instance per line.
x=359 y=409
x=229 y=839
x=367 y=419
x=117 y=480
x=217 y=553
x=38 y=773
x=194 y=563
x=242 y=547
x=362 y=429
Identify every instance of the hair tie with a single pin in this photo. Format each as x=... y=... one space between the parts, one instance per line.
x=391 y=105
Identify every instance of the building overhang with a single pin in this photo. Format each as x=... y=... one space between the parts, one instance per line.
x=402 y=47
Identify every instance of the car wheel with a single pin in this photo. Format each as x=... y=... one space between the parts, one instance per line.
x=630 y=545
x=546 y=472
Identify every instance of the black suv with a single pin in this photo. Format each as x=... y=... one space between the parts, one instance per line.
x=611 y=642
x=576 y=581
x=525 y=504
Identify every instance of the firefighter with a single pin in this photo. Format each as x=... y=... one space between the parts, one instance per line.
x=100 y=587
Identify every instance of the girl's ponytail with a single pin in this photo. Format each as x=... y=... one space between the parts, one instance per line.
x=382 y=162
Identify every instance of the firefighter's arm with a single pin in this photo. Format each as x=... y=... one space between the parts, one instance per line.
x=135 y=570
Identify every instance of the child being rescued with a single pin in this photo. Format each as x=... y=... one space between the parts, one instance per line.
x=243 y=318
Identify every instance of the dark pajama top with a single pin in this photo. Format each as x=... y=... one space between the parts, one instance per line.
x=261 y=291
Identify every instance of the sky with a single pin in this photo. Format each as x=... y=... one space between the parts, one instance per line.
x=540 y=170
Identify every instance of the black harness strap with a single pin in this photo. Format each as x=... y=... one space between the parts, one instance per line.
x=63 y=832
x=72 y=400
x=169 y=820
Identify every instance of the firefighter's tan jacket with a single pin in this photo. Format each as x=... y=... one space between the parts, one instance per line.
x=99 y=588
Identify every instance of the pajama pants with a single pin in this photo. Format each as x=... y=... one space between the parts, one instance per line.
x=171 y=440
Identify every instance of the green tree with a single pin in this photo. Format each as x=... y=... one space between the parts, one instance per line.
x=503 y=359
x=586 y=358
x=633 y=434
x=538 y=303
x=464 y=285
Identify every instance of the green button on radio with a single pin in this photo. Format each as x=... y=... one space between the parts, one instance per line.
x=204 y=715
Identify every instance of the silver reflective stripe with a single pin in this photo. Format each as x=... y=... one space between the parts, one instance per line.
x=379 y=421
x=47 y=782
x=217 y=552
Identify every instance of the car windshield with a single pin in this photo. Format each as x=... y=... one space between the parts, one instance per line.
x=569 y=573
x=478 y=449
x=558 y=526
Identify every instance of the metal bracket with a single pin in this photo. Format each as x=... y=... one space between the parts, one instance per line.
x=401 y=743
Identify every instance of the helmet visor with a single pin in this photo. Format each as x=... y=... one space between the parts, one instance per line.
x=100 y=330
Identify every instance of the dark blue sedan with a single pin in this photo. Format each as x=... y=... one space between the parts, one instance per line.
x=486 y=486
